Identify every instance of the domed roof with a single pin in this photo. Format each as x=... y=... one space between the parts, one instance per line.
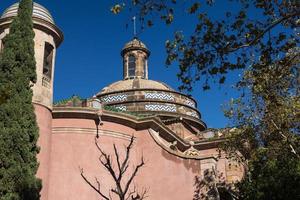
x=39 y=11
x=135 y=44
x=132 y=84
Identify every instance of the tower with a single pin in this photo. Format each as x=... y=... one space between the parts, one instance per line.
x=138 y=94
x=47 y=39
x=135 y=60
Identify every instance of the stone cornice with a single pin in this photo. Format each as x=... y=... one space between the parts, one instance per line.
x=190 y=153
x=147 y=89
x=41 y=25
x=185 y=149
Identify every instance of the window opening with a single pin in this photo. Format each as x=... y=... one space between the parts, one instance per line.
x=144 y=66
x=131 y=66
x=48 y=59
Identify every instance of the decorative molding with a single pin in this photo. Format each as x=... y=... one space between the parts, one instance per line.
x=93 y=131
x=192 y=152
x=171 y=148
x=190 y=103
x=161 y=107
x=114 y=98
x=46 y=82
x=159 y=96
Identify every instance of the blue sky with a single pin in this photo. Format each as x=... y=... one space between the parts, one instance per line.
x=89 y=58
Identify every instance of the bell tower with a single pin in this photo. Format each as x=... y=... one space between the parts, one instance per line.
x=47 y=39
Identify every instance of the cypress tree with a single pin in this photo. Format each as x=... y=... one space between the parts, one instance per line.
x=18 y=127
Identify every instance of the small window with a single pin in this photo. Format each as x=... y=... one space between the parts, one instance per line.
x=145 y=68
x=131 y=66
x=48 y=59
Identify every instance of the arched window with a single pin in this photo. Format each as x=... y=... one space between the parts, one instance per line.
x=48 y=58
x=144 y=67
x=131 y=66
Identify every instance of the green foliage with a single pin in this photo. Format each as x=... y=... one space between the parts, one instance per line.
x=135 y=114
x=268 y=119
x=3 y=94
x=74 y=101
x=117 y=8
x=18 y=128
x=273 y=174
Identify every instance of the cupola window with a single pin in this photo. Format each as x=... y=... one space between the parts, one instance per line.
x=48 y=59
x=131 y=66
x=144 y=68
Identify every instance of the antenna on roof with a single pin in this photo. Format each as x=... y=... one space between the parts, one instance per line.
x=134 y=26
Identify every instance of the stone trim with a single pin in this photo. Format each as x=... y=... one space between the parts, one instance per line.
x=171 y=148
x=39 y=24
x=153 y=122
x=93 y=131
x=149 y=89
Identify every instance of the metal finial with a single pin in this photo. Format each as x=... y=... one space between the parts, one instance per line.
x=134 y=26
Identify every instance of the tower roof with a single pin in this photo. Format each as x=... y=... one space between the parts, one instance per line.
x=39 y=11
x=135 y=44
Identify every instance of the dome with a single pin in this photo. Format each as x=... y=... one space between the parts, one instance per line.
x=148 y=97
x=39 y=11
x=132 y=84
x=135 y=44
x=141 y=96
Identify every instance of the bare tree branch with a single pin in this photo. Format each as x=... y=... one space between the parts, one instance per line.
x=128 y=148
x=92 y=186
x=118 y=160
x=106 y=161
x=134 y=174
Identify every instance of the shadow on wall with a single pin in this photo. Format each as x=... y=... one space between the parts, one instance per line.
x=189 y=164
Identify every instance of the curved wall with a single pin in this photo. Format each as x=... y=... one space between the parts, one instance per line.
x=73 y=147
x=44 y=120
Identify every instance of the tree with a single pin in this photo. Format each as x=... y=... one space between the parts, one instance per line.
x=268 y=121
x=123 y=188
x=259 y=40
x=211 y=185
x=3 y=95
x=18 y=127
x=249 y=32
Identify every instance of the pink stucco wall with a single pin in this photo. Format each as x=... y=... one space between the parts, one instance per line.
x=44 y=120
x=164 y=175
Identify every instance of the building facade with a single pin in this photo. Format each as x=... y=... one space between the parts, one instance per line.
x=166 y=124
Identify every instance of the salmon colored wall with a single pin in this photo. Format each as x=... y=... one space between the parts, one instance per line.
x=44 y=120
x=166 y=176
